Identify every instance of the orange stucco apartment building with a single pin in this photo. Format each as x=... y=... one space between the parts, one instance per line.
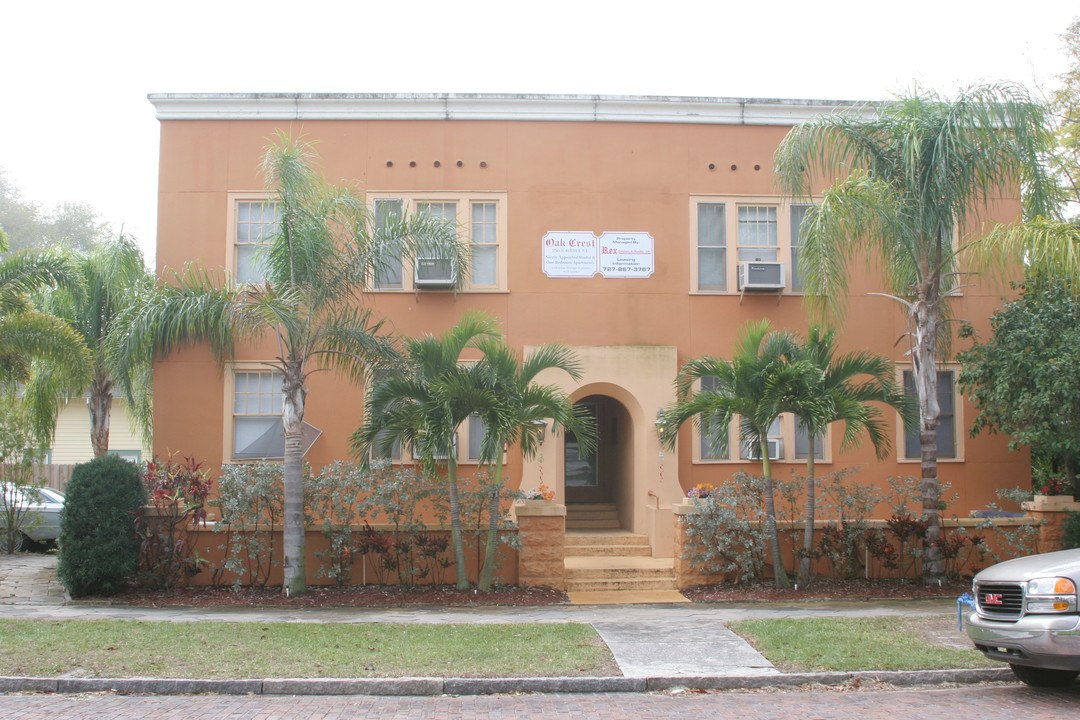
x=640 y=231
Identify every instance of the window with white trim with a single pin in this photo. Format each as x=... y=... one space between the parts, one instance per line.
x=256 y=221
x=788 y=439
x=480 y=219
x=946 y=430
x=256 y=408
x=749 y=447
x=729 y=231
x=712 y=443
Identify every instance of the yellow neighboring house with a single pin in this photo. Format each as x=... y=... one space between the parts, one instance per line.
x=71 y=443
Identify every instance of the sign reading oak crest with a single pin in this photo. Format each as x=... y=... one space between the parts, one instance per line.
x=570 y=254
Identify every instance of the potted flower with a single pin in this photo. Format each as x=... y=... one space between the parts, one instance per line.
x=538 y=495
x=1053 y=486
x=700 y=491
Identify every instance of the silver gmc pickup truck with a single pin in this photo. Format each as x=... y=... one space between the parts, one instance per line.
x=1027 y=614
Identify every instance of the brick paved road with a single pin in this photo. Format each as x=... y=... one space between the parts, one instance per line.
x=999 y=702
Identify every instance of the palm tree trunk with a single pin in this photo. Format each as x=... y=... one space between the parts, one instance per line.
x=100 y=404
x=811 y=508
x=456 y=540
x=779 y=573
x=488 y=569
x=292 y=532
x=926 y=322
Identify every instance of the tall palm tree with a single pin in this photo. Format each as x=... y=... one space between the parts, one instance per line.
x=517 y=414
x=912 y=178
x=30 y=338
x=323 y=255
x=839 y=390
x=756 y=385
x=110 y=278
x=420 y=403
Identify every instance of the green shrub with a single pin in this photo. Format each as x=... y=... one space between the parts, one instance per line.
x=1071 y=538
x=98 y=546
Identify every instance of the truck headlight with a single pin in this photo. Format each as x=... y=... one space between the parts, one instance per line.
x=1051 y=595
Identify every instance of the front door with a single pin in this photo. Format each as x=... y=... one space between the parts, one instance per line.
x=590 y=477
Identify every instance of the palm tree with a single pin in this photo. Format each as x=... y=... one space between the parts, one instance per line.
x=32 y=339
x=110 y=276
x=421 y=402
x=911 y=178
x=518 y=415
x=757 y=385
x=833 y=394
x=323 y=255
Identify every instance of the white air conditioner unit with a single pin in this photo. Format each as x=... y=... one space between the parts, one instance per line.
x=776 y=449
x=761 y=276
x=433 y=272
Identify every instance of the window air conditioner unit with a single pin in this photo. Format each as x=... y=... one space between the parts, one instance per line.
x=433 y=272
x=761 y=276
x=776 y=449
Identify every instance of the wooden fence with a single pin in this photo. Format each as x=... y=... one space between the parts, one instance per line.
x=54 y=476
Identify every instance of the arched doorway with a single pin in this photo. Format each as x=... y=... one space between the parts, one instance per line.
x=600 y=476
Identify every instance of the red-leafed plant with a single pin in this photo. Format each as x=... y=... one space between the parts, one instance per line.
x=177 y=492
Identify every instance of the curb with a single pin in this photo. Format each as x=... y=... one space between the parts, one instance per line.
x=491 y=686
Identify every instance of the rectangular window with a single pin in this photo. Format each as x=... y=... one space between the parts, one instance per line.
x=480 y=220
x=132 y=456
x=712 y=444
x=712 y=247
x=802 y=443
x=477 y=431
x=256 y=223
x=748 y=448
x=388 y=272
x=946 y=431
x=758 y=240
x=485 y=245
x=798 y=281
x=257 y=408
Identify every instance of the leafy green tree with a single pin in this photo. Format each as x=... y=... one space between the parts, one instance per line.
x=111 y=277
x=1065 y=104
x=71 y=225
x=422 y=401
x=324 y=254
x=1023 y=379
x=841 y=389
x=911 y=178
x=18 y=453
x=757 y=385
x=517 y=414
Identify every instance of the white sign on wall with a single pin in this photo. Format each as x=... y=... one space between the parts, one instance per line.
x=583 y=255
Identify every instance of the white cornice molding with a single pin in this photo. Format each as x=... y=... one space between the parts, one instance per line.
x=552 y=108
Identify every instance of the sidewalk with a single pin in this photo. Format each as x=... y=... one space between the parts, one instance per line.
x=655 y=646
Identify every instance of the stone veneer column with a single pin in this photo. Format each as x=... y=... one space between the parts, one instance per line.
x=542 y=529
x=1051 y=511
x=686 y=575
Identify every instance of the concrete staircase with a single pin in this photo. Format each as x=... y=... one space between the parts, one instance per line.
x=592 y=516
x=614 y=562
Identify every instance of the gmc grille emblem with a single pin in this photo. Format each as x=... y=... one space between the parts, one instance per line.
x=992 y=598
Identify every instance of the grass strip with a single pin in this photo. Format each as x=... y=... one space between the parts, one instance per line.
x=120 y=648
x=847 y=644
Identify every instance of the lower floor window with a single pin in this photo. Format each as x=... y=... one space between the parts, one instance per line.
x=257 y=408
x=946 y=430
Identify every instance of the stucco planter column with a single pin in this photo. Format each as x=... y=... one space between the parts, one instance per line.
x=542 y=530
x=686 y=574
x=1051 y=511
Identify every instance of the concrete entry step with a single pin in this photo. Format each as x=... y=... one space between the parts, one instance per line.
x=625 y=597
x=605 y=537
x=624 y=585
x=592 y=515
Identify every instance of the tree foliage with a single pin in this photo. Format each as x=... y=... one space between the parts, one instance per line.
x=1023 y=379
x=70 y=225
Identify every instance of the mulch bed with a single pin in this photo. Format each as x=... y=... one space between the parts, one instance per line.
x=509 y=595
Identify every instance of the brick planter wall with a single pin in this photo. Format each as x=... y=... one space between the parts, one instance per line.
x=542 y=530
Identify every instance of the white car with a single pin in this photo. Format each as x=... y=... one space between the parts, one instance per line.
x=1027 y=613
x=40 y=510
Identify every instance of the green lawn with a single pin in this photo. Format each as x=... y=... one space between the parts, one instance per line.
x=843 y=644
x=114 y=648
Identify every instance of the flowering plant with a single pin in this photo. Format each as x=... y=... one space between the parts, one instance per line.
x=702 y=490
x=541 y=493
x=1053 y=486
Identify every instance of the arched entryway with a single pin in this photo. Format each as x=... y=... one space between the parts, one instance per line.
x=602 y=477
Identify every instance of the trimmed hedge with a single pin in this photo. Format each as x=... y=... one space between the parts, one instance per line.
x=98 y=547
x=1071 y=538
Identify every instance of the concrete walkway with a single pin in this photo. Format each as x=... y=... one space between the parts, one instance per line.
x=648 y=641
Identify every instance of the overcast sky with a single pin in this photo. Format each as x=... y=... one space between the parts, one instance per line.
x=76 y=125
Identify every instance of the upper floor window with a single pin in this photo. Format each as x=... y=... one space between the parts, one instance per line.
x=732 y=231
x=480 y=219
x=256 y=222
x=946 y=430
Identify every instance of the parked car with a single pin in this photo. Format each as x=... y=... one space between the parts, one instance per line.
x=1027 y=613
x=40 y=509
